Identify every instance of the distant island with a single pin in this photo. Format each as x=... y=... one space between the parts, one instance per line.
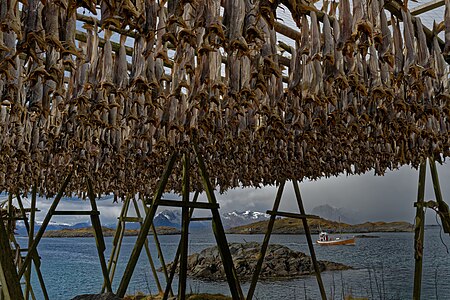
x=89 y=232
x=295 y=226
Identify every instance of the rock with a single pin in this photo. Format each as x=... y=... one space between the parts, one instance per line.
x=105 y=296
x=280 y=262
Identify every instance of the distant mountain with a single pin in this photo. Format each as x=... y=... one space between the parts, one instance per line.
x=166 y=218
x=335 y=214
x=236 y=218
x=295 y=226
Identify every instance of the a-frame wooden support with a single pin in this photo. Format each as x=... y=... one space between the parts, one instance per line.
x=419 y=231
x=118 y=237
x=273 y=214
x=95 y=220
x=218 y=230
x=29 y=225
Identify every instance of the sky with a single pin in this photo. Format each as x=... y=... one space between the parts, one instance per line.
x=368 y=197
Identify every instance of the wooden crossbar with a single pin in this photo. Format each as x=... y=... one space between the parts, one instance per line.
x=200 y=205
x=76 y=213
x=291 y=215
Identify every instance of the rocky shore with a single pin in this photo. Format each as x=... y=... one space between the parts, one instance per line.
x=89 y=232
x=280 y=262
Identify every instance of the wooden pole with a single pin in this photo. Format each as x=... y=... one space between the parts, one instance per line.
x=219 y=232
x=32 y=249
x=98 y=233
x=158 y=248
x=145 y=228
x=265 y=243
x=117 y=243
x=8 y=273
x=442 y=206
x=419 y=232
x=177 y=255
x=184 y=230
x=309 y=239
x=147 y=250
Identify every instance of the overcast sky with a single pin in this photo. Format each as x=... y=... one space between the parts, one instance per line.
x=369 y=197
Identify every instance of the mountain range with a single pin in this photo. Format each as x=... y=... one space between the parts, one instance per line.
x=168 y=218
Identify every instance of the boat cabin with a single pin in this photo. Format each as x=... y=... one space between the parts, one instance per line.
x=323 y=237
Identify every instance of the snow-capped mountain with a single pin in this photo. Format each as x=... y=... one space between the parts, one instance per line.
x=236 y=218
x=168 y=217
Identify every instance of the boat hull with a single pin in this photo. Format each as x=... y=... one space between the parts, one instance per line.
x=350 y=242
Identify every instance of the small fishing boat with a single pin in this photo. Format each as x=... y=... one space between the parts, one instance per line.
x=325 y=240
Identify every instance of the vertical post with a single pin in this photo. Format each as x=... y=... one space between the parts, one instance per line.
x=177 y=255
x=419 y=232
x=147 y=249
x=219 y=232
x=145 y=228
x=99 y=240
x=309 y=239
x=51 y=210
x=158 y=247
x=265 y=243
x=117 y=243
x=184 y=230
x=8 y=274
x=442 y=206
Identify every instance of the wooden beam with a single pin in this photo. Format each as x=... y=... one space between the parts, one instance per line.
x=420 y=9
x=8 y=273
x=177 y=255
x=76 y=213
x=174 y=203
x=298 y=196
x=147 y=249
x=148 y=221
x=291 y=215
x=44 y=224
x=442 y=206
x=184 y=229
x=419 y=232
x=219 y=232
x=117 y=243
x=265 y=244
x=98 y=233
x=131 y=219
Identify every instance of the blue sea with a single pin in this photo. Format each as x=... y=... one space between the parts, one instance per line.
x=383 y=267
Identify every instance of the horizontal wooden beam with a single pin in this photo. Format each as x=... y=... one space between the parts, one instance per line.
x=426 y=7
x=201 y=219
x=291 y=215
x=76 y=213
x=131 y=219
x=175 y=203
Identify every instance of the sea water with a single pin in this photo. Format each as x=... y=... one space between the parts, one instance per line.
x=383 y=267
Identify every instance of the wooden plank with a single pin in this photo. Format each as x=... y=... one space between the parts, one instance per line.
x=291 y=215
x=184 y=230
x=148 y=221
x=420 y=9
x=44 y=224
x=117 y=243
x=98 y=233
x=442 y=206
x=8 y=274
x=201 y=219
x=147 y=249
x=265 y=244
x=200 y=205
x=298 y=196
x=76 y=213
x=131 y=219
x=177 y=255
x=219 y=232
x=419 y=232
